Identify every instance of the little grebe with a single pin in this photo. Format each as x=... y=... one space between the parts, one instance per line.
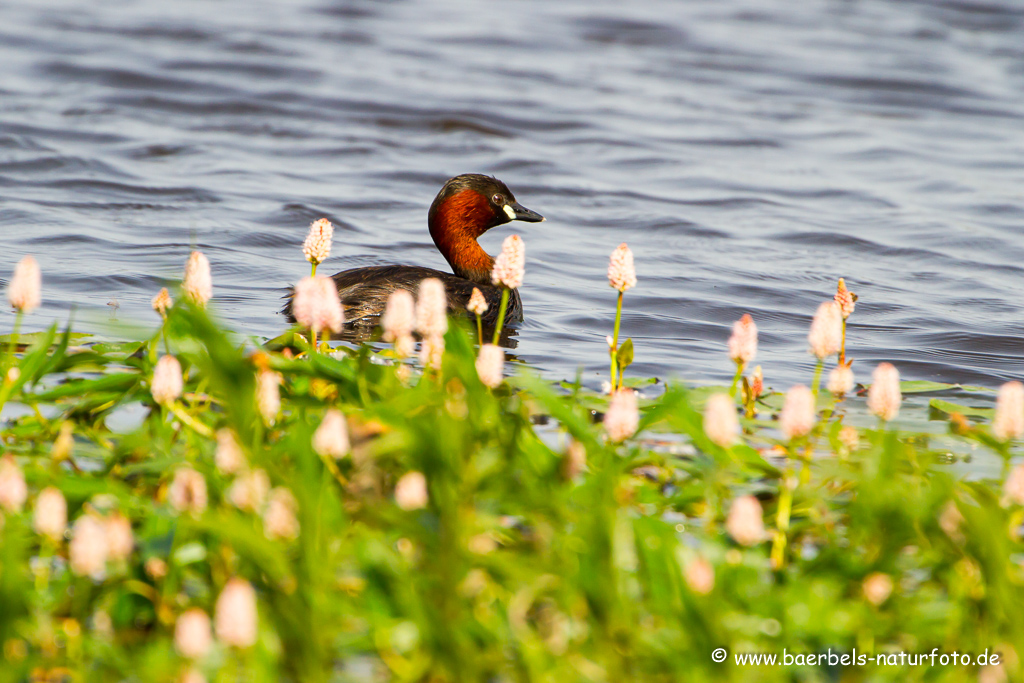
x=466 y=207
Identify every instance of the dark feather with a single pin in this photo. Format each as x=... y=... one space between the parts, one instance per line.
x=364 y=293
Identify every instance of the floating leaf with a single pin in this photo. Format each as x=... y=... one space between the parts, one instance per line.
x=949 y=407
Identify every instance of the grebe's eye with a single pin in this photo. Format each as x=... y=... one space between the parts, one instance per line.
x=498 y=199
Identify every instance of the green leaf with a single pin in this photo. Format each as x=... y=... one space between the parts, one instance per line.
x=949 y=407
x=624 y=356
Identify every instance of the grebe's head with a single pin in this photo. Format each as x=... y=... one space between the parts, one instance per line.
x=474 y=203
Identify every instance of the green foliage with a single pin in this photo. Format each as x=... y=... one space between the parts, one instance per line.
x=524 y=565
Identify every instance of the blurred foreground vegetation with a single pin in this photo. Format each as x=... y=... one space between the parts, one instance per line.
x=522 y=564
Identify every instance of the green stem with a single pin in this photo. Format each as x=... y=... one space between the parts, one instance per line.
x=501 y=315
x=6 y=385
x=312 y=338
x=782 y=522
x=736 y=378
x=613 y=349
x=312 y=273
x=187 y=419
x=479 y=330
x=842 y=346
x=816 y=382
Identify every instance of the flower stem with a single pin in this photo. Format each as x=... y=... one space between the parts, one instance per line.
x=614 y=348
x=816 y=382
x=501 y=315
x=842 y=346
x=187 y=419
x=312 y=273
x=312 y=339
x=736 y=378
x=782 y=523
x=479 y=330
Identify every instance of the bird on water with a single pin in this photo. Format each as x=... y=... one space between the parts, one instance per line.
x=466 y=207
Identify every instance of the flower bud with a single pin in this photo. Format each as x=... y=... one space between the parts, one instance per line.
x=192 y=637
x=51 y=516
x=1009 y=420
x=826 y=335
x=331 y=438
x=490 y=365
x=235 y=620
x=432 y=309
x=316 y=305
x=743 y=342
x=798 y=413
x=317 y=246
x=411 y=491
x=623 y=415
x=745 y=522
x=477 y=304
x=510 y=265
x=168 y=382
x=198 y=283
x=621 y=272
x=720 y=423
x=884 y=394
x=23 y=292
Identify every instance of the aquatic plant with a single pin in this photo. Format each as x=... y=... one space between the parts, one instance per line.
x=297 y=516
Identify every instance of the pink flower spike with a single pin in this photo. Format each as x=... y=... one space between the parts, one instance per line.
x=845 y=299
x=1009 y=420
x=623 y=416
x=877 y=588
x=399 y=318
x=798 y=413
x=743 y=342
x=187 y=492
x=168 y=382
x=720 y=422
x=490 y=365
x=826 y=335
x=884 y=394
x=432 y=309
x=432 y=352
x=268 y=395
x=228 y=457
x=24 y=291
x=411 y=491
x=510 y=265
x=235 y=620
x=279 y=521
x=198 y=283
x=51 y=516
x=13 y=489
x=162 y=302
x=192 y=636
x=316 y=305
x=840 y=380
x=331 y=438
x=621 y=272
x=249 y=490
x=700 y=576
x=317 y=246
x=1013 y=487
x=477 y=304
x=745 y=522
x=88 y=550
x=756 y=383
x=120 y=539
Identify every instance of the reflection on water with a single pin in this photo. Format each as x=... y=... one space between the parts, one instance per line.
x=749 y=152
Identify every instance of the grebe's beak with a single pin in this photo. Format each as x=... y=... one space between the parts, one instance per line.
x=517 y=212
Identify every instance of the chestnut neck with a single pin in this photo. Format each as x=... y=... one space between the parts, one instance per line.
x=455 y=226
